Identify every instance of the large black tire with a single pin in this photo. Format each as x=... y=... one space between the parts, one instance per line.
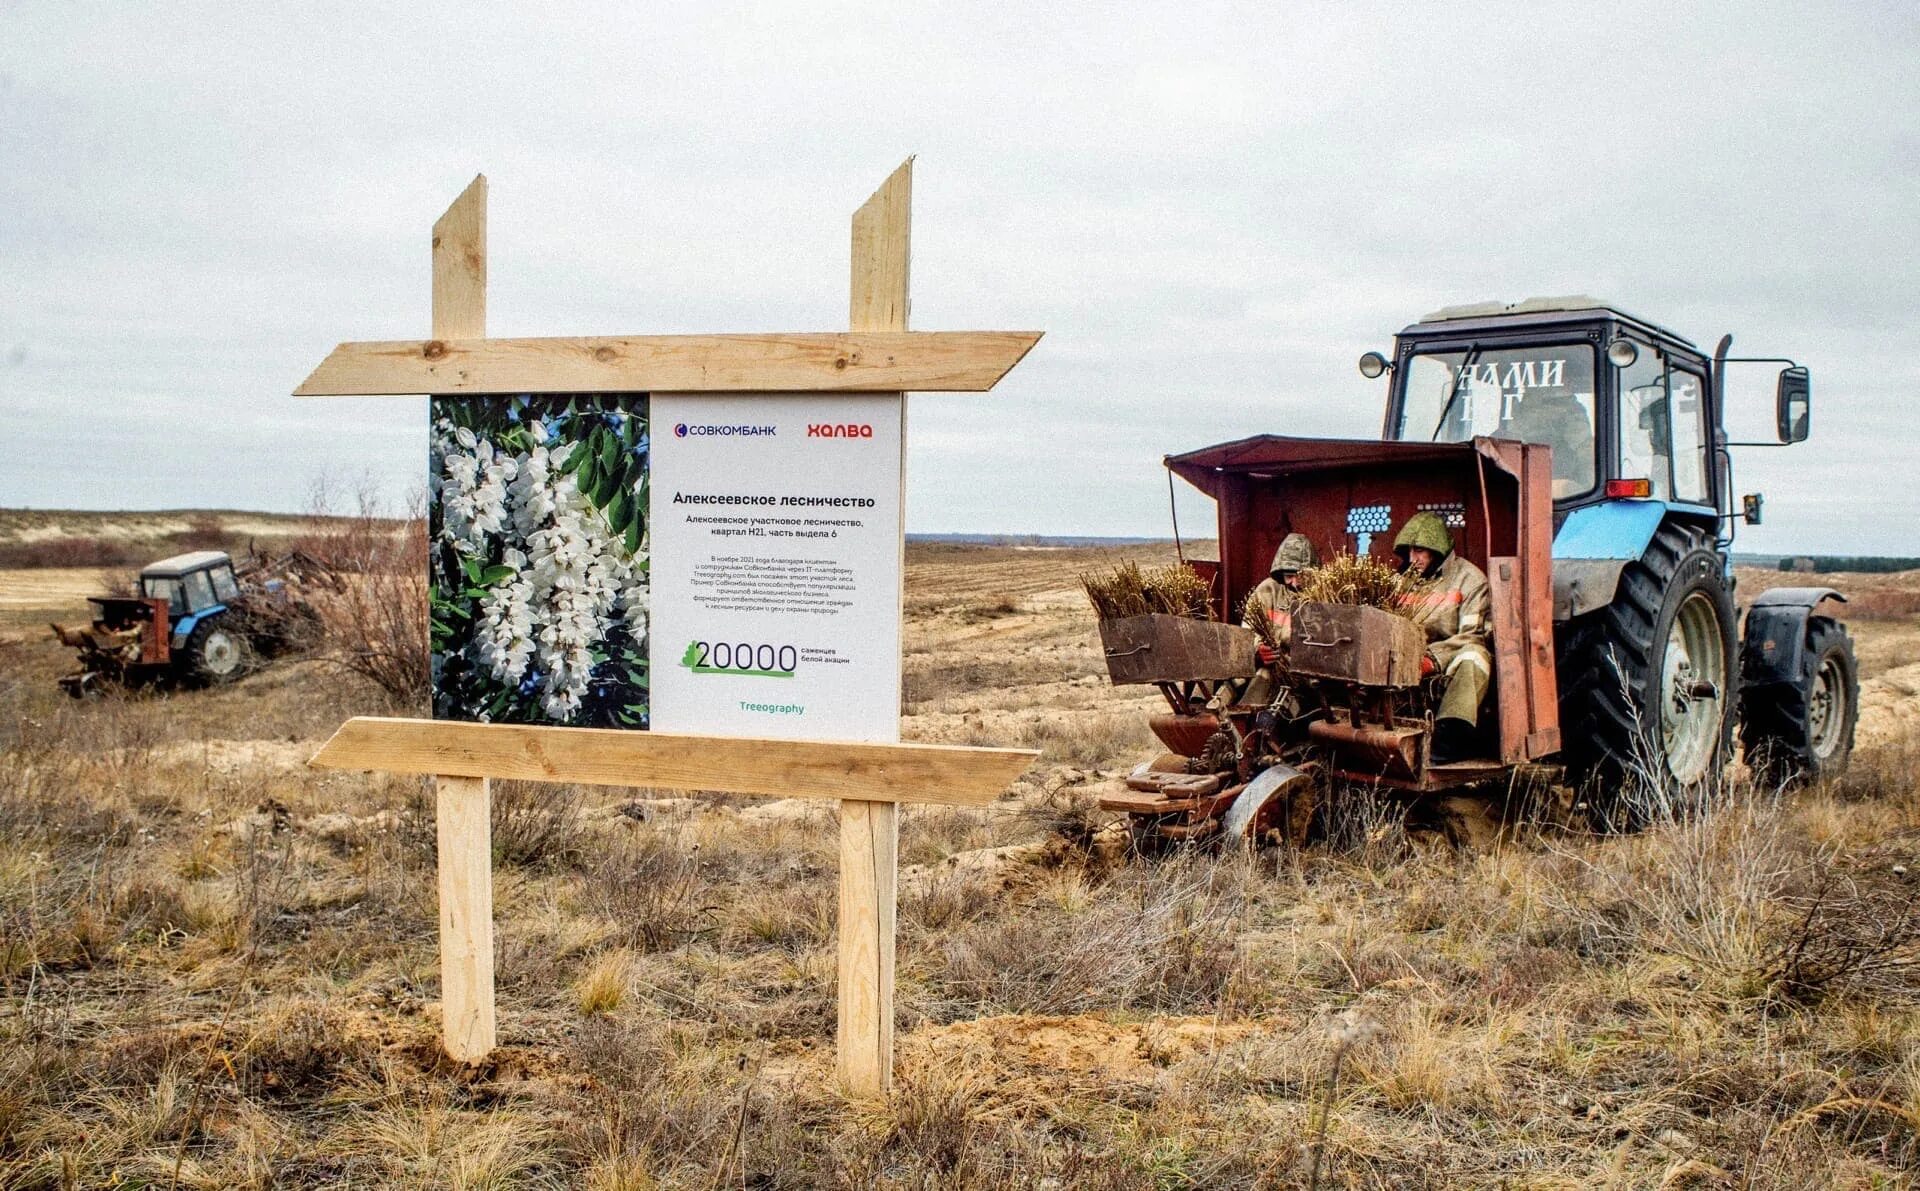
x=215 y=653
x=1801 y=731
x=1641 y=731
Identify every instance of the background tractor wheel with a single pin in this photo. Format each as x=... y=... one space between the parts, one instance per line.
x=214 y=653
x=1647 y=683
x=1799 y=732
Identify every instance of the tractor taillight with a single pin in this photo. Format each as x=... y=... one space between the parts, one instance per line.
x=1619 y=489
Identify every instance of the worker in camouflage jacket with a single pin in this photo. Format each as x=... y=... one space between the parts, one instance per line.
x=1453 y=606
x=1275 y=598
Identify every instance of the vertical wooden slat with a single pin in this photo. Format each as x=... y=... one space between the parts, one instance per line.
x=462 y=805
x=460 y=266
x=870 y=831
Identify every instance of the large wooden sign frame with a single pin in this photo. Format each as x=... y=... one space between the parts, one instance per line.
x=870 y=780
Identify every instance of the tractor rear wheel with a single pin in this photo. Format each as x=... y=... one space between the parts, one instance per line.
x=1802 y=731
x=214 y=653
x=1647 y=683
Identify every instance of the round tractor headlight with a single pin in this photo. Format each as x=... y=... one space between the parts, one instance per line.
x=1373 y=365
x=1621 y=353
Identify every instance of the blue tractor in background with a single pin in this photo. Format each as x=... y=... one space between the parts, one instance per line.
x=1655 y=677
x=195 y=621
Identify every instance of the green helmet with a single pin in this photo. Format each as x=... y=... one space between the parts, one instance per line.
x=1426 y=530
x=1295 y=554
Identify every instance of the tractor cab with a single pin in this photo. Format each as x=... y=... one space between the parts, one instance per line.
x=1631 y=410
x=192 y=584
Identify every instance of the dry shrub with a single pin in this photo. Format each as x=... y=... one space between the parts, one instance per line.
x=533 y=825
x=1359 y=579
x=376 y=617
x=1845 y=923
x=1090 y=740
x=1127 y=590
x=536 y=824
x=1739 y=890
x=73 y=551
x=1159 y=938
x=648 y=887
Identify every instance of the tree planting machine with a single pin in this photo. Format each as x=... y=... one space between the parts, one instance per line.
x=1578 y=455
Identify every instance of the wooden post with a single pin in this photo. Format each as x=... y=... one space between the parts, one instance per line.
x=463 y=805
x=462 y=808
x=870 y=831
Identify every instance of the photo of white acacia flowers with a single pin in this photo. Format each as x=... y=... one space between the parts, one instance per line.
x=540 y=559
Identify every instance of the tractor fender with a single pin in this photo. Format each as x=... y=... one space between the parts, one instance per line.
x=183 y=628
x=1773 y=643
x=1240 y=818
x=1595 y=544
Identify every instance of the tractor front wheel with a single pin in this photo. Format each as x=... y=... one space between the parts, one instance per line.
x=1802 y=731
x=214 y=654
x=1647 y=684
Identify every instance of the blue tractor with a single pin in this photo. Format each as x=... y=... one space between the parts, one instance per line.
x=1578 y=456
x=196 y=621
x=1654 y=675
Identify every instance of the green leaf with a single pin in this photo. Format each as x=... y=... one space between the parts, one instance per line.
x=609 y=449
x=617 y=510
x=633 y=537
x=499 y=573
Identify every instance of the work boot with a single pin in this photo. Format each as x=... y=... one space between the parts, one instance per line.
x=1452 y=742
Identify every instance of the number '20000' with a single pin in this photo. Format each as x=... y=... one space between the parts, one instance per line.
x=745 y=656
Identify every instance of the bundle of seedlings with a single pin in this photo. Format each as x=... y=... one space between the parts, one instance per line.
x=1127 y=590
x=1257 y=615
x=1360 y=579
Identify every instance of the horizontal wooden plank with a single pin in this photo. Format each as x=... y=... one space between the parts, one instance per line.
x=948 y=774
x=835 y=362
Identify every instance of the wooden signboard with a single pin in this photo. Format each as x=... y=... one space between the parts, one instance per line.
x=546 y=658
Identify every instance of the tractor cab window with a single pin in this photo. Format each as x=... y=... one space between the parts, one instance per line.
x=1687 y=392
x=168 y=589
x=1663 y=436
x=1541 y=394
x=224 y=587
x=199 y=591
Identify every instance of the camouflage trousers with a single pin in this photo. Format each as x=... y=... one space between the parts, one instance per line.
x=1467 y=677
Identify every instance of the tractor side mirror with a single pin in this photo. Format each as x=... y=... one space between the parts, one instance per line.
x=1750 y=508
x=1793 y=404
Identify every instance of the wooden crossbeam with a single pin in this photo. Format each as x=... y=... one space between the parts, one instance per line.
x=952 y=775
x=832 y=362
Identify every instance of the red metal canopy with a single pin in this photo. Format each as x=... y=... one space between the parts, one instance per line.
x=1280 y=455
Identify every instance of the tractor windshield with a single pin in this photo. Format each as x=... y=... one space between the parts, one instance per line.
x=1537 y=394
x=168 y=589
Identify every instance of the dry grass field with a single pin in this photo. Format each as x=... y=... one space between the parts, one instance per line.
x=217 y=967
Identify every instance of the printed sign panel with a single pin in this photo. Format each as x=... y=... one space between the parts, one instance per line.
x=727 y=565
x=776 y=524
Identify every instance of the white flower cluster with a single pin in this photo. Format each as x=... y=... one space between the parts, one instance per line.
x=570 y=572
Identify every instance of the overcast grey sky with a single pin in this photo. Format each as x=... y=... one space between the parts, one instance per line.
x=1212 y=210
